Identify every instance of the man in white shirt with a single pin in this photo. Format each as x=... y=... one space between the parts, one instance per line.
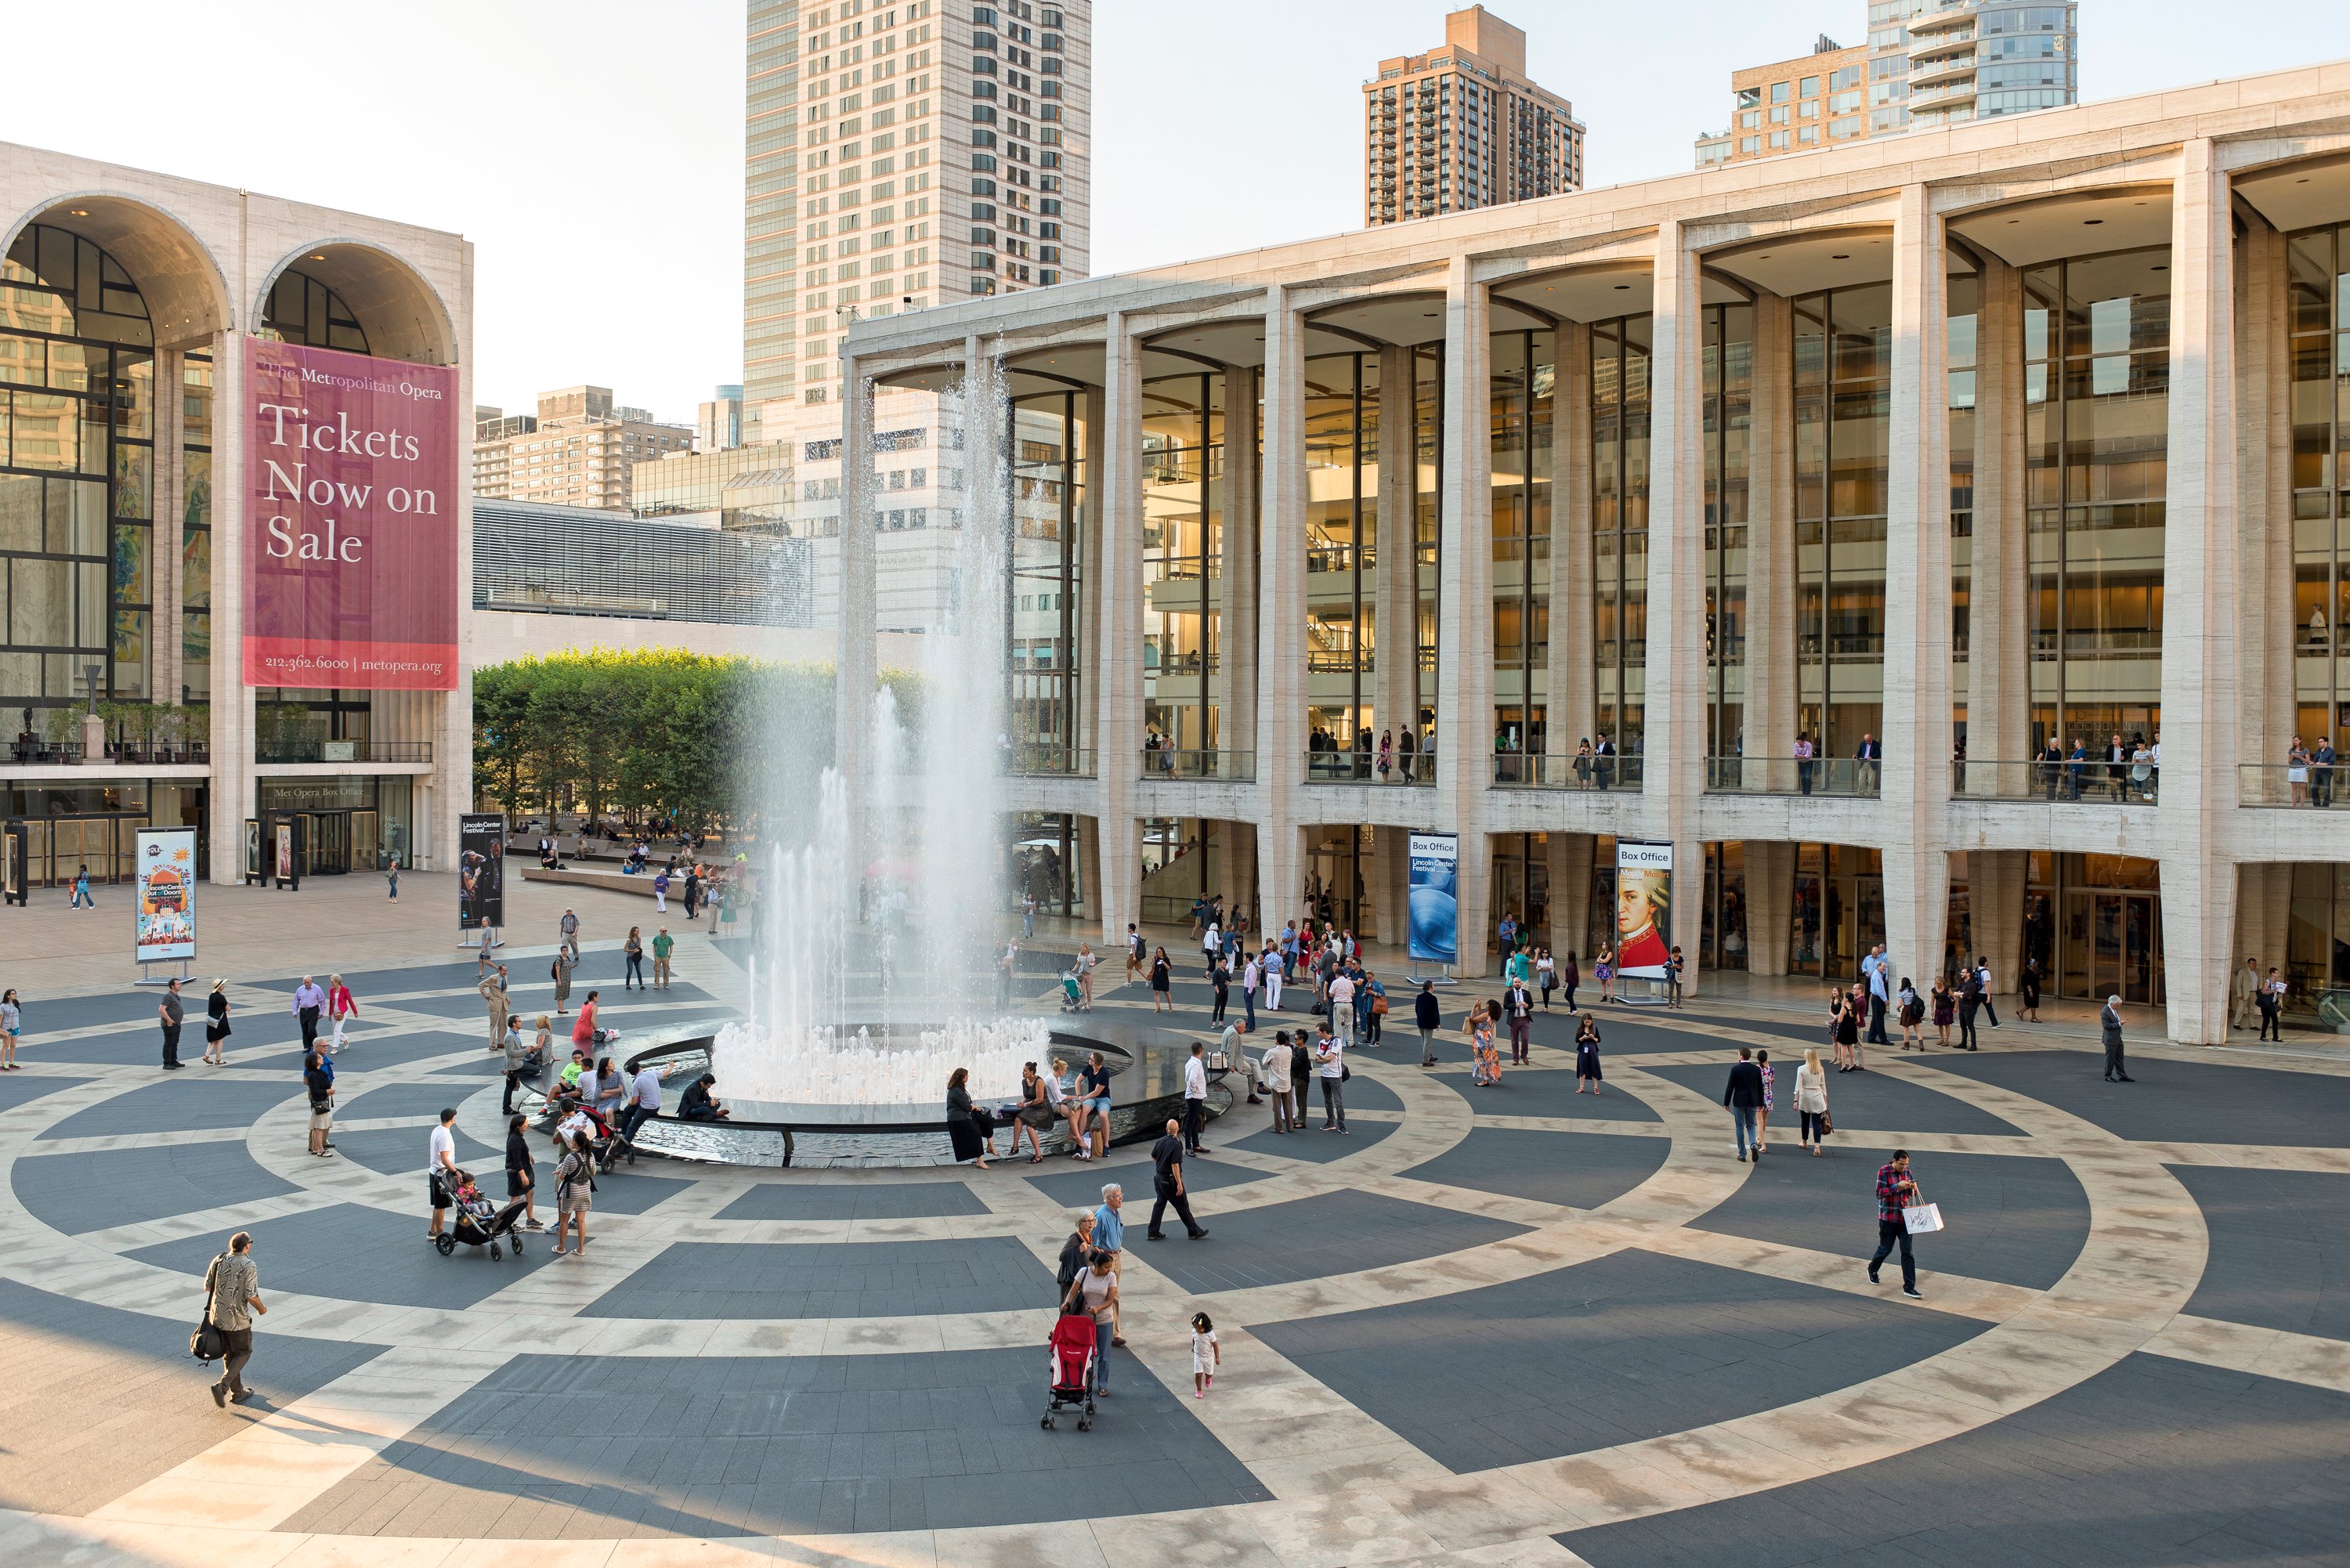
x=1272 y=971
x=1277 y=1083
x=1342 y=1006
x=1195 y=1098
x=1330 y=1058
x=644 y=1100
x=439 y=1169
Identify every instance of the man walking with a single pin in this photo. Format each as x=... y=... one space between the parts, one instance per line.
x=1342 y=1006
x=663 y=945
x=2242 y=996
x=231 y=1295
x=1872 y=967
x=1134 y=964
x=1427 y=1017
x=1167 y=1187
x=1983 y=985
x=172 y=1013
x=1970 y=1003
x=309 y=1002
x=1743 y=1095
x=2109 y=1019
x=1195 y=1100
x=1330 y=1064
x=2272 y=1007
x=568 y=931
x=1895 y=1191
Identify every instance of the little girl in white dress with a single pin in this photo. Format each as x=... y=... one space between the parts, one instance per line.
x=1206 y=1355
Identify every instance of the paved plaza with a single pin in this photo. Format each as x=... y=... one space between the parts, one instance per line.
x=1507 y=1325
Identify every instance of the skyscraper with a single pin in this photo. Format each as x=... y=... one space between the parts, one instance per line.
x=1461 y=125
x=576 y=450
x=1927 y=63
x=900 y=156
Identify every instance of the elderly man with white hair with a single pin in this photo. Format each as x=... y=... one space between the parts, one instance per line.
x=2110 y=1019
x=1109 y=1242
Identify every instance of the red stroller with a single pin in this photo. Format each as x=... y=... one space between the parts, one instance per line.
x=1073 y=1370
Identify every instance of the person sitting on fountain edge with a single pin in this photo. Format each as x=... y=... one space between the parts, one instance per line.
x=697 y=1105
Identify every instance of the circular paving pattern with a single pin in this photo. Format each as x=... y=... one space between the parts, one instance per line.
x=1501 y=1325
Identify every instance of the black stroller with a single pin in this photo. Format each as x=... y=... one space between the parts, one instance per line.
x=478 y=1224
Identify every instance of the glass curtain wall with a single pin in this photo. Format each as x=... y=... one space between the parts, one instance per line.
x=1729 y=372
x=1047 y=633
x=2096 y=354
x=1524 y=395
x=1620 y=527
x=1183 y=502
x=1843 y=406
x=1342 y=497
x=196 y=529
x=2095 y=924
x=76 y=475
x=1428 y=531
x=1964 y=305
x=2318 y=317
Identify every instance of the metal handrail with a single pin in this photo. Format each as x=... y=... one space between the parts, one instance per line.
x=1169 y=762
x=2088 y=781
x=1348 y=765
x=2319 y=787
x=1047 y=760
x=1842 y=776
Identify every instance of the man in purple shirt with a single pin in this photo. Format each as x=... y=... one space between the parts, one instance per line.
x=308 y=1002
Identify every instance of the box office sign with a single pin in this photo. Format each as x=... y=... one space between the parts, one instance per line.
x=351 y=496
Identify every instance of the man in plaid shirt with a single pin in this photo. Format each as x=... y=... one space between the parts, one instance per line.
x=1894 y=1191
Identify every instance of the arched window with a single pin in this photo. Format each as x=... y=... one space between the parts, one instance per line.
x=303 y=310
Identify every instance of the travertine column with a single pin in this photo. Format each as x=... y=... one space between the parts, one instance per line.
x=1117 y=619
x=1088 y=717
x=857 y=664
x=1395 y=692
x=2266 y=717
x=1570 y=894
x=1769 y=906
x=1771 y=575
x=2200 y=684
x=1574 y=689
x=1237 y=589
x=1281 y=613
x=2264 y=915
x=1464 y=639
x=1675 y=744
x=235 y=793
x=1394 y=890
x=1999 y=653
x=1914 y=805
x=1996 y=884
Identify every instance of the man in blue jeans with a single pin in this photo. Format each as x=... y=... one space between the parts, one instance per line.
x=1744 y=1097
x=644 y=1101
x=1895 y=1191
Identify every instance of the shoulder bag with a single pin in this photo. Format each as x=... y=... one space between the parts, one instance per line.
x=1920 y=1218
x=206 y=1344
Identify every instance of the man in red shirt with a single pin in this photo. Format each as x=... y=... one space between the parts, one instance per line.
x=1895 y=1191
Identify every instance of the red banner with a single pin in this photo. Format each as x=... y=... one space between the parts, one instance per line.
x=351 y=497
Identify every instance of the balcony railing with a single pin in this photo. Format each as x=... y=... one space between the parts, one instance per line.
x=1847 y=776
x=309 y=751
x=1520 y=770
x=2301 y=785
x=2089 y=781
x=1230 y=767
x=1348 y=767
x=1047 y=760
x=35 y=752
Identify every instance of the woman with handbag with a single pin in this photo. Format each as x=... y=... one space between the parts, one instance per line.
x=575 y=1191
x=962 y=1120
x=1586 y=1054
x=341 y=1008
x=217 y=1024
x=1812 y=1103
x=318 y=1077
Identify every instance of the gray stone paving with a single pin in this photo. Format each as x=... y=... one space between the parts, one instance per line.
x=2149 y=1464
x=1582 y=1170
x=726 y=1447
x=1547 y=1094
x=2279 y=1248
x=904 y=1201
x=830 y=1279
x=78 y=1192
x=184 y=1101
x=2172 y=1101
x=2018 y=1220
x=1632 y=1345
x=1870 y=1099
x=1330 y=1233
x=1313 y=1144
x=365 y=1254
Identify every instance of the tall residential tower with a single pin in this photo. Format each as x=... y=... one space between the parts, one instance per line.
x=1462 y=127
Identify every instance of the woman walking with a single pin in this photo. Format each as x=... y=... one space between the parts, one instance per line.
x=634 y=950
x=1603 y=969
x=962 y=1121
x=1546 y=974
x=1913 y=1016
x=217 y=1024
x=1162 y=978
x=1570 y=975
x=341 y=1008
x=12 y=1023
x=1485 y=1056
x=1085 y=967
x=1586 y=1054
x=2029 y=985
x=392 y=875
x=1762 y=1112
x=521 y=1173
x=1946 y=1008
x=1844 y=1028
x=1812 y=1103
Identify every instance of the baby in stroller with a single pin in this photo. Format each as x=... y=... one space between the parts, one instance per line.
x=478 y=1222
x=1073 y=1368
x=1073 y=998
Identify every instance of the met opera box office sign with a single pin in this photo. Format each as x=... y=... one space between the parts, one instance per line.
x=351 y=477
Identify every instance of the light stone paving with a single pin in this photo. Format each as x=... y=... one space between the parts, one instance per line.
x=1349 y=1490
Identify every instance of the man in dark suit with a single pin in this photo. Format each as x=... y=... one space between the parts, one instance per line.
x=1744 y=1097
x=1868 y=760
x=1604 y=761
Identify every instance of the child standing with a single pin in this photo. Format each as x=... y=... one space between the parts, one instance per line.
x=1206 y=1354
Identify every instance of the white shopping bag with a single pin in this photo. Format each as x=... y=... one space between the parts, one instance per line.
x=1920 y=1218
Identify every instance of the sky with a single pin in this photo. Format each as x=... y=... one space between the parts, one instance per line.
x=592 y=149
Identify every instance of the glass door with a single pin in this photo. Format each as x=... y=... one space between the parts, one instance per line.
x=330 y=835
x=367 y=847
